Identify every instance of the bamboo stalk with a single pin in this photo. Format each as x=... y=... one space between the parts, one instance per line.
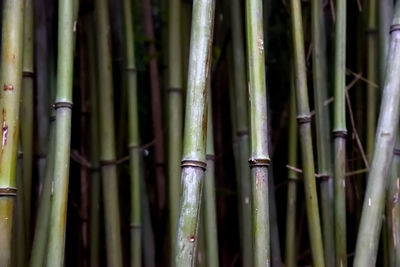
x=107 y=136
x=371 y=218
x=63 y=113
x=27 y=114
x=242 y=132
x=195 y=130
x=291 y=260
x=10 y=80
x=322 y=122
x=210 y=212
x=304 y=121
x=372 y=75
x=134 y=139
x=175 y=111
x=259 y=158
x=340 y=132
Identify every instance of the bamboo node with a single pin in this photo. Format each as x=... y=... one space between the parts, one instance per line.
x=396 y=151
x=62 y=104
x=174 y=90
x=106 y=162
x=135 y=226
x=340 y=133
x=29 y=74
x=242 y=133
x=8 y=192
x=194 y=163
x=265 y=162
x=304 y=119
x=394 y=27
x=131 y=70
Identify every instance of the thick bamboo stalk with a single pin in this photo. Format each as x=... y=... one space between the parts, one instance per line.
x=304 y=121
x=27 y=114
x=107 y=136
x=340 y=132
x=323 y=128
x=195 y=130
x=134 y=139
x=210 y=212
x=63 y=112
x=371 y=218
x=291 y=260
x=259 y=157
x=175 y=116
x=372 y=75
x=156 y=105
x=10 y=80
x=242 y=131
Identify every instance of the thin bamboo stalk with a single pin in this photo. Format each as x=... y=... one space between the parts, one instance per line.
x=195 y=130
x=304 y=121
x=27 y=114
x=19 y=238
x=10 y=80
x=322 y=122
x=259 y=158
x=210 y=212
x=241 y=132
x=293 y=180
x=134 y=139
x=63 y=112
x=340 y=132
x=107 y=136
x=371 y=218
x=175 y=116
x=372 y=75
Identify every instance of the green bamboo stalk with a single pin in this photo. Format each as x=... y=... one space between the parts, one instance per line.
x=292 y=185
x=259 y=158
x=107 y=136
x=195 y=130
x=371 y=218
x=95 y=180
x=322 y=122
x=210 y=212
x=372 y=75
x=304 y=121
x=27 y=114
x=10 y=80
x=134 y=139
x=340 y=132
x=175 y=116
x=242 y=132
x=63 y=113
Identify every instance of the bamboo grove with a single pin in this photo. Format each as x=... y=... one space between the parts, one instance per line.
x=200 y=133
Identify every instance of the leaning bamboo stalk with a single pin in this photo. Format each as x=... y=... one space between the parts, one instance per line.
x=27 y=114
x=195 y=130
x=340 y=132
x=107 y=136
x=210 y=212
x=372 y=75
x=10 y=80
x=304 y=121
x=175 y=116
x=292 y=184
x=322 y=123
x=242 y=131
x=371 y=218
x=259 y=157
x=134 y=139
x=63 y=113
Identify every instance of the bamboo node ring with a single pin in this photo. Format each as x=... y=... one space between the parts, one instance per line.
x=8 y=192
x=27 y=74
x=62 y=104
x=265 y=162
x=394 y=27
x=194 y=163
x=106 y=162
x=174 y=90
x=135 y=226
x=131 y=70
x=242 y=133
x=340 y=133
x=396 y=151
x=304 y=119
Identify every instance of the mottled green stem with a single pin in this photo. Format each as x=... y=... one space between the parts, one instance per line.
x=195 y=132
x=10 y=82
x=259 y=157
x=304 y=121
x=107 y=135
x=374 y=201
